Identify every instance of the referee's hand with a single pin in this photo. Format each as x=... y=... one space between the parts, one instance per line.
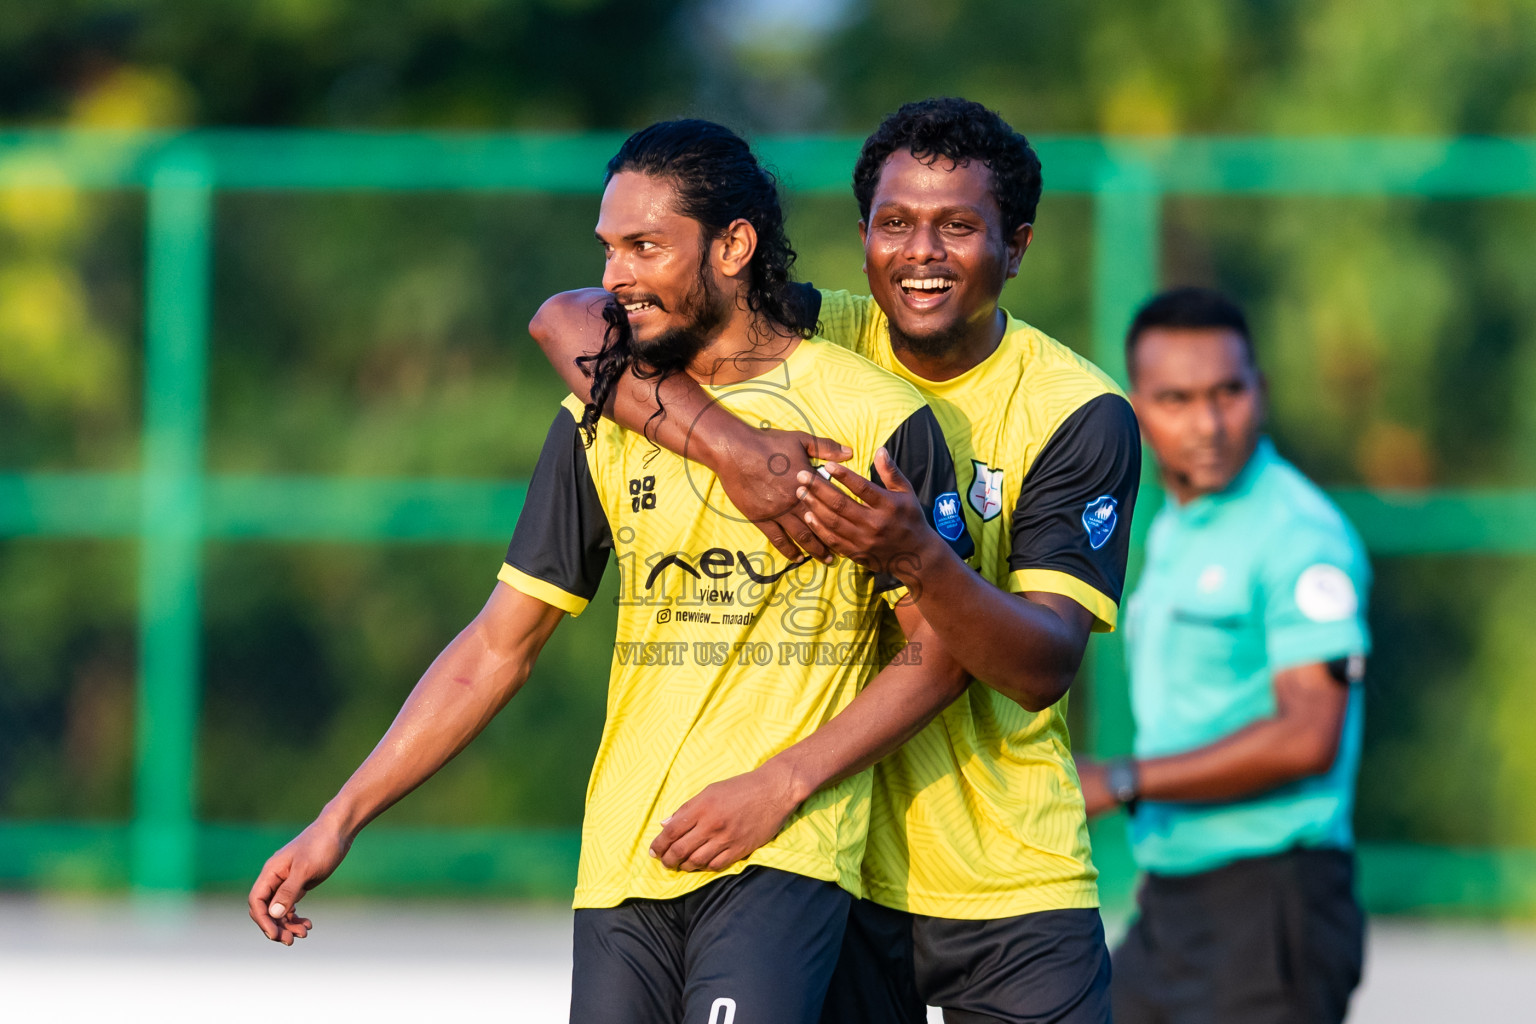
x=290 y=873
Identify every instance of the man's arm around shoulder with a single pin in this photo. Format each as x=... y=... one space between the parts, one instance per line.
x=756 y=467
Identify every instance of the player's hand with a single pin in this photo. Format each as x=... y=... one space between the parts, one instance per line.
x=726 y=822
x=290 y=873
x=758 y=471
x=1095 y=783
x=881 y=529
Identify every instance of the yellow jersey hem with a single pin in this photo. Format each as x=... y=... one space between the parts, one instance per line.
x=687 y=881
x=540 y=590
x=1051 y=581
x=988 y=906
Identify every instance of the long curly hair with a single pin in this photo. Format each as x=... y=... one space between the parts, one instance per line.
x=717 y=180
x=949 y=128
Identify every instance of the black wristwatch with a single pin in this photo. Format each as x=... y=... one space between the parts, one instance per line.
x=1124 y=782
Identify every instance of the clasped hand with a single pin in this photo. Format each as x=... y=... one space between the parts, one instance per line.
x=758 y=470
x=882 y=529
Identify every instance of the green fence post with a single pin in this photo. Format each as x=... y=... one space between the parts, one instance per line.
x=1127 y=208
x=171 y=532
x=1125 y=261
x=171 y=515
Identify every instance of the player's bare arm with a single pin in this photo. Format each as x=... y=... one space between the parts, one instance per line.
x=1299 y=740
x=729 y=820
x=463 y=689
x=756 y=467
x=1026 y=646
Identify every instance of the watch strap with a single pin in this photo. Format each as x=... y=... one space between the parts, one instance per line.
x=1124 y=782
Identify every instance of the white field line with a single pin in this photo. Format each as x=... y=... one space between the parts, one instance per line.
x=89 y=962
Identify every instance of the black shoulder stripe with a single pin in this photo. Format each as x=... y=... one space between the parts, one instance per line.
x=562 y=535
x=1075 y=504
x=1096 y=429
x=919 y=450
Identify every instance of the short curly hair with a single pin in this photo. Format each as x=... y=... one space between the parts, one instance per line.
x=958 y=130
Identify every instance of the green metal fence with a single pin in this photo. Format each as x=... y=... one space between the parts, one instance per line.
x=172 y=506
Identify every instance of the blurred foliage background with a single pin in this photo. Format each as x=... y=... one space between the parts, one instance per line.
x=383 y=335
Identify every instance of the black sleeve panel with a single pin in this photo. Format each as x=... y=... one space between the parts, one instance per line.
x=919 y=450
x=807 y=298
x=1075 y=505
x=562 y=535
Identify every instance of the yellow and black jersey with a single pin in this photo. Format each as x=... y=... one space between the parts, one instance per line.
x=981 y=815
x=726 y=653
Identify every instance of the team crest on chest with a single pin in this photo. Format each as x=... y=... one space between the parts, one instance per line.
x=986 y=494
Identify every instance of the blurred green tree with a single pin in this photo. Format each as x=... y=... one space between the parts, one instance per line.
x=361 y=334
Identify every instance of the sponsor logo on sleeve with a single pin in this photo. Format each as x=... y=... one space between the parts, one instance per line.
x=1099 y=518
x=1325 y=593
x=947 y=517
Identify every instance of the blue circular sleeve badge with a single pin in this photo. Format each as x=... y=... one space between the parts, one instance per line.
x=947 y=517
x=1099 y=519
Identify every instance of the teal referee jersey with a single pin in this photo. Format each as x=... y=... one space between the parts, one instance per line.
x=1239 y=585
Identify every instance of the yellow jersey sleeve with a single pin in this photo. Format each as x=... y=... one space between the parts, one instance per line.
x=851 y=321
x=1070 y=528
x=562 y=542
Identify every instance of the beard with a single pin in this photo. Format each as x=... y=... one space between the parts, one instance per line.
x=932 y=345
x=704 y=311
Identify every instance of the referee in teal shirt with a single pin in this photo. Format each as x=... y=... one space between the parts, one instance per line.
x=1247 y=642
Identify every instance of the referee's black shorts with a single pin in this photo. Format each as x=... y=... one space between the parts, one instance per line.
x=1266 y=940
x=1049 y=967
x=753 y=948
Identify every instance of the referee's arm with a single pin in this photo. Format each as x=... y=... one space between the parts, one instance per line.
x=462 y=690
x=1299 y=740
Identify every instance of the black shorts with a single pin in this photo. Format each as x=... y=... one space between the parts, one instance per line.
x=1050 y=966
x=1268 y=940
x=753 y=948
